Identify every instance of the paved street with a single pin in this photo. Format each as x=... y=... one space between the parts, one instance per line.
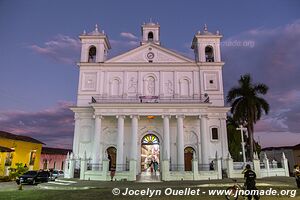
x=76 y=189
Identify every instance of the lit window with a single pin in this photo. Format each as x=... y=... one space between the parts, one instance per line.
x=150 y=139
x=32 y=158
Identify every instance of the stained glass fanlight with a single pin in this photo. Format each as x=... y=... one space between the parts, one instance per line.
x=150 y=139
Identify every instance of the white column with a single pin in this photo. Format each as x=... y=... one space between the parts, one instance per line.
x=97 y=150
x=76 y=134
x=224 y=140
x=204 y=139
x=120 y=142
x=180 y=143
x=166 y=143
x=134 y=134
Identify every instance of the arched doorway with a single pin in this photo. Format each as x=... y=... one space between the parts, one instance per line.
x=188 y=157
x=112 y=156
x=150 y=153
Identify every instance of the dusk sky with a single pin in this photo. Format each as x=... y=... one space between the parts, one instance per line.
x=39 y=49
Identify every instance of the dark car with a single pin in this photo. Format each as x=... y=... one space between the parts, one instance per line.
x=33 y=177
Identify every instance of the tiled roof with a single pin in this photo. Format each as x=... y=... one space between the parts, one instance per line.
x=11 y=136
x=282 y=147
x=51 y=150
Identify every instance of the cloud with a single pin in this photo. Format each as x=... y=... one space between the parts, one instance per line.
x=62 y=48
x=53 y=126
x=128 y=35
x=271 y=59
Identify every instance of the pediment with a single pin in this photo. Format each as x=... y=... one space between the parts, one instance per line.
x=150 y=52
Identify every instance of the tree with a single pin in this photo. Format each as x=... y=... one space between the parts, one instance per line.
x=247 y=105
x=234 y=139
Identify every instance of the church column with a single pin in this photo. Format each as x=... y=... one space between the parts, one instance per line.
x=97 y=149
x=76 y=140
x=120 y=143
x=204 y=139
x=224 y=140
x=166 y=143
x=134 y=134
x=180 y=143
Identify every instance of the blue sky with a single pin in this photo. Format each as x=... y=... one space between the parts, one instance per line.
x=40 y=47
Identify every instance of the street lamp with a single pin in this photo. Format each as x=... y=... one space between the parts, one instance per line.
x=242 y=129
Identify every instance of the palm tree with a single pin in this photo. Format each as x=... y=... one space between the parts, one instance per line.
x=247 y=105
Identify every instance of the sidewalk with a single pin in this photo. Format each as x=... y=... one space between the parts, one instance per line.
x=76 y=184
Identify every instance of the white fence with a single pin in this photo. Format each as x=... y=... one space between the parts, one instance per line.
x=89 y=171
x=262 y=169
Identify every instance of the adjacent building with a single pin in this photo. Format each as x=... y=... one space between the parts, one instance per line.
x=53 y=158
x=18 y=149
x=292 y=153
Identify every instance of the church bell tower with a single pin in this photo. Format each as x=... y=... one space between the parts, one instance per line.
x=150 y=33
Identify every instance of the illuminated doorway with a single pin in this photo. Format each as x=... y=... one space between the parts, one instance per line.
x=112 y=156
x=150 y=154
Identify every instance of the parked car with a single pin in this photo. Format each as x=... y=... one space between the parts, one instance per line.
x=56 y=174
x=33 y=177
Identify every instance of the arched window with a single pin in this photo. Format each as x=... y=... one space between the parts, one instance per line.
x=45 y=164
x=150 y=139
x=115 y=87
x=184 y=87
x=150 y=36
x=92 y=54
x=214 y=133
x=112 y=156
x=209 y=54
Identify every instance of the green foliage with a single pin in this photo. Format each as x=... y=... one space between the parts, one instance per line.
x=18 y=171
x=247 y=105
x=234 y=142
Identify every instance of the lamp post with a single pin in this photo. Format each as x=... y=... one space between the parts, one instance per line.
x=242 y=129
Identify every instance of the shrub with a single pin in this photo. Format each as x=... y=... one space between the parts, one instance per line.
x=18 y=171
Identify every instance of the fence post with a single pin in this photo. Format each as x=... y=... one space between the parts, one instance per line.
x=229 y=166
x=132 y=169
x=267 y=165
x=165 y=170
x=105 y=168
x=83 y=166
x=218 y=167
x=256 y=165
x=285 y=165
x=195 y=169
x=71 y=166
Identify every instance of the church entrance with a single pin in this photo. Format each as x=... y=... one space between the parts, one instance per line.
x=112 y=156
x=150 y=158
x=188 y=157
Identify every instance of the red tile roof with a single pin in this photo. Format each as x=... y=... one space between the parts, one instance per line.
x=11 y=136
x=51 y=150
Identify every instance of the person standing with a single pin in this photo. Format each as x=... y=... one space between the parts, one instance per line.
x=250 y=183
x=297 y=175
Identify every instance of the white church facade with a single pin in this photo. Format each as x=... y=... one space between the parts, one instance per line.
x=150 y=110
